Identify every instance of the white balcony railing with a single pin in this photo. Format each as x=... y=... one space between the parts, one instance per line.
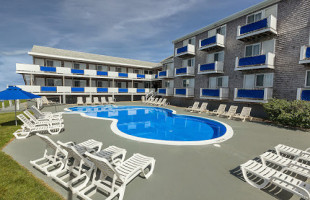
x=184 y=92
x=185 y=51
x=185 y=71
x=211 y=68
x=259 y=95
x=65 y=71
x=266 y=26
x=165 y=91
x=215 y=94
x=212 y=43
x=304 y=55
x=265 y=61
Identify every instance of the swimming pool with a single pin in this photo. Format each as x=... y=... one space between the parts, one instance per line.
x=159 y=125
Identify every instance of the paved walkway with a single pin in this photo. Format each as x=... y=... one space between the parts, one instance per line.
x=181 y=172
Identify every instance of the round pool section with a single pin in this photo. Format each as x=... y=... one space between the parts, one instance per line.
x=159 y=125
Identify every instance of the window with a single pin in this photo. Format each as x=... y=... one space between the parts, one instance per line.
x=76 y=83
x=219 y=82
x=185 y=83
x=136 y=71
x=100 y=68
x=252 y=50
x=254 y=17
x=189 y=62
x=259 y=82
x=99 y=83
x=167 y=84
x=49 y=63
x=191 y=41
x=119 y=84
x=118 y=69
x=221 y=30
x=76 y=66
x=146 y=84
x=136 y=85
x=50 y=82
x=218 y=56
x=308 y=79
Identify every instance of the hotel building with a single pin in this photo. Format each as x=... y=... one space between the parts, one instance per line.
x=260 y=53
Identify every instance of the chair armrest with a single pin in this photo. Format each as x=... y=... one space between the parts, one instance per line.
x=289 y=183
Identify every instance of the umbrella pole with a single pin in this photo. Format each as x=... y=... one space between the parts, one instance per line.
x=15 y=113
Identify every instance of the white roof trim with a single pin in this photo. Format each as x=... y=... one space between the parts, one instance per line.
x=249 y=10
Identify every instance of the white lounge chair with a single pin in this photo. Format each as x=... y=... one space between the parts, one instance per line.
x=163 y=103
x=43 y=115
x=158 y=101
x=50 y=162
x=104 y=100
x=80 y=101
x=42 y=121
x=28 y=127
x=194 y=107
x=149 y=100
x=96 y=101
x=245 y=114
x=203 y=108
x=220 y=110
x=296 y=154
x=143 y=99
x=286 y=163
x=113 y=180
x=269 y=175
x=45 y=101
x=230 y=113
x=88 y=101
x=111 y=100
x=152 y=101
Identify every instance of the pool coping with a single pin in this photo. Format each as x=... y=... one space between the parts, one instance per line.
x=229 y=131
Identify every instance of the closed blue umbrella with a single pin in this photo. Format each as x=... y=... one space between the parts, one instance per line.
x=14 y=93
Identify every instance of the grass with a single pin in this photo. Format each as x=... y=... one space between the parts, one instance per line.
x=16 y=181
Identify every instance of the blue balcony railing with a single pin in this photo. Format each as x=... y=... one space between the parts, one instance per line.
x=207 y=67
x=210 y=92
x=250 y=94
x=77 y=71
x=162 y=73
x=254 y=26
x=47 y=69
x=181 y=70
x=250 y=61
x=162 y=91
x=101 y=73
x=48 y=89
x=156 y=76
x=102 y=90
x=308 y=52
x=305 y=95
x=77 y=89
x=140 y=76
x=208 y=41
x=123 y=75
x=180 y=91
x=140 y=90
x=122 y=90
x=182 y=50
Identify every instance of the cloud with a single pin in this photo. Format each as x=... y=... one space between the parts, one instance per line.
x=14 y=52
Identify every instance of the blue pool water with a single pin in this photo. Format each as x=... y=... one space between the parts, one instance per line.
x=157 y=123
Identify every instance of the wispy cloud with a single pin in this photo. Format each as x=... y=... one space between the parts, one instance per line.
x=14 y=52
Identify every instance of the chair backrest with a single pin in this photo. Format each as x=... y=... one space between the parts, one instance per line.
x=204 y=106
x=103 y=100
x=88 y=100
x=150 y=99
x=196 y=104
x=246 y=111
x=163 y=102
x=103 y=165
x=221 y=108
x=25 y=121
x=160 y=100
x=96 y=100
x=110 y=99
x=31 y=117
x=143 y=98
x=51 y=144
x=232 y=109
x=155 y=100
x=44 y=100
x=36 y=111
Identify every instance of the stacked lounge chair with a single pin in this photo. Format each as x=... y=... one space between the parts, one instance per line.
x=88 y=101
x=111 y=100
x=45 y=115
x=219 y=111
x=203 y=108
x=96 y=101
x=192 y=108
x=245 y=114
x=104 y=100
x=230 y=113
x=80 y=101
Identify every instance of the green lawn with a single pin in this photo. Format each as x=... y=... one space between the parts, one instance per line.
x=16 y=181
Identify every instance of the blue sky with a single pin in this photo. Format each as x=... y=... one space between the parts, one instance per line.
x=134 y=29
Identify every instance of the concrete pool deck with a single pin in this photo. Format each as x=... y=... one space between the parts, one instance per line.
x=181 y=172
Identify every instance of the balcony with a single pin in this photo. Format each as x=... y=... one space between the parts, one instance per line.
x=262 y=28
x=253 y=95
x=186 y=51
x=165 y=91
x=185 y=71
x=215 y=94
x=212 y=43
x=304 y=55
x=303 y=94
x=184 y=92
x=211 y=68
x=165 y=74
x=255 y=62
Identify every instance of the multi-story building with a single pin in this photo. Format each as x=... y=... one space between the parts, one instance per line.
x=247 y=58
x=260 y=53
x=65 y=74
